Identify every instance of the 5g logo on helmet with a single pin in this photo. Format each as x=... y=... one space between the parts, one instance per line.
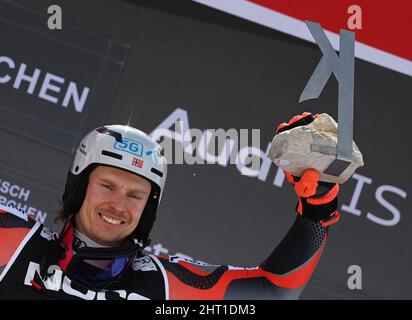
x=130 y=146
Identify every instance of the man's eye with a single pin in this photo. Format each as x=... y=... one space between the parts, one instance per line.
x=134 y=196
x=107 y=186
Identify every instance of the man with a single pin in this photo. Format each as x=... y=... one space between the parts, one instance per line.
x=109 y=207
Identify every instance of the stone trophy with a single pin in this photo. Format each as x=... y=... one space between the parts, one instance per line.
x=314 y=146
x=323 y=144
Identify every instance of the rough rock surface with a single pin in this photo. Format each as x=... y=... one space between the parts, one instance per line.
x=312 y=146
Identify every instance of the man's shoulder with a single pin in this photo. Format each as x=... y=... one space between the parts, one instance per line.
x=15 y=226
x=146 y=263
x=13 y=217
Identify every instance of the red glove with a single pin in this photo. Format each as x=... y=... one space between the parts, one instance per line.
x=318 y=200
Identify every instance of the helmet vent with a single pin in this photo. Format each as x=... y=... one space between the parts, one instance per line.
x=155 y=171
x=117 y=135
x=112 y=154
x=76 y=169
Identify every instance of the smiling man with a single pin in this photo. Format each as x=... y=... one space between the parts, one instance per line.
x=114 y=202
x=109 y=207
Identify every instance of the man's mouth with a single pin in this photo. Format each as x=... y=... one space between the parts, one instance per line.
x=109 y=219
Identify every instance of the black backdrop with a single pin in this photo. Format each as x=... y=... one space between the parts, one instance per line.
x=142 y=60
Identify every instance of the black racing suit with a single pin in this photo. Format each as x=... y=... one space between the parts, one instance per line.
x=283 y=275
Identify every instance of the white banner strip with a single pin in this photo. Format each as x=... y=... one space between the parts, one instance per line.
x=286 y=24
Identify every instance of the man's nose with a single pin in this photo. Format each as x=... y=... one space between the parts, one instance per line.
x=118 y=202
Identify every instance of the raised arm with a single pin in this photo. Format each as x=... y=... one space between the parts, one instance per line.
x=284 y=274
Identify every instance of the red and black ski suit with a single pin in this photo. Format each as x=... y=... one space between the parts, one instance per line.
x=283 y=275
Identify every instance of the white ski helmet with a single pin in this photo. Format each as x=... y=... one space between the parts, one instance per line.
x=122 y=147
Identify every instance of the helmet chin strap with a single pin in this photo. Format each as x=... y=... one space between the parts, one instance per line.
x=62 y=252
x=70 y=241
x=66 y=240
x=74 y=259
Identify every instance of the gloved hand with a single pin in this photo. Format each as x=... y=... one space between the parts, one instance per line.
x=317 y=200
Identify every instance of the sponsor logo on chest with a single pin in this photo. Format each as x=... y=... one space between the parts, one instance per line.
x=59 y=282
